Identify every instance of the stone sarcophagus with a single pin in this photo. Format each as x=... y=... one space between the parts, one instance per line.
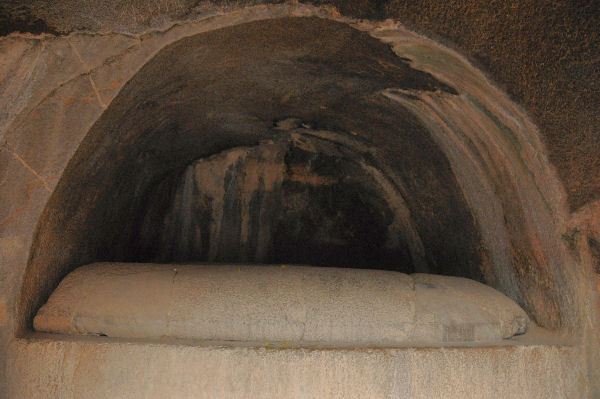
x=298 y=305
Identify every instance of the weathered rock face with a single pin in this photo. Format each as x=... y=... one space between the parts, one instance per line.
x=293 y=304
x=543 y=52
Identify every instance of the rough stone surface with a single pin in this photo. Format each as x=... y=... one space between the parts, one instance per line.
x=277 y=303
x=99 y=368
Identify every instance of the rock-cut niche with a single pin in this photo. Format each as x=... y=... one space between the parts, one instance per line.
x=271 y=142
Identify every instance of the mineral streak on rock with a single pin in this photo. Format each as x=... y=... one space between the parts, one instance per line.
x=304 y=197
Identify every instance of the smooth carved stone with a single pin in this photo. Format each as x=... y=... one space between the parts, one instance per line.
x=458 y=309
x=277 y=303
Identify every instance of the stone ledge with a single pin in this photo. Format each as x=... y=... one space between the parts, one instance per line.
x=43 y=367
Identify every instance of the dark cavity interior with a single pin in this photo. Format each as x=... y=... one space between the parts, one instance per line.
x=297 y=198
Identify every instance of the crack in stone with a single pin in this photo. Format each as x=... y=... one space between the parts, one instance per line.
x=171 y=295
x=54 y=92
x=27 y=166
x=87 y=68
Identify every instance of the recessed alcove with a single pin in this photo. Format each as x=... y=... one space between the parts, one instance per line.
x=288 y=141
